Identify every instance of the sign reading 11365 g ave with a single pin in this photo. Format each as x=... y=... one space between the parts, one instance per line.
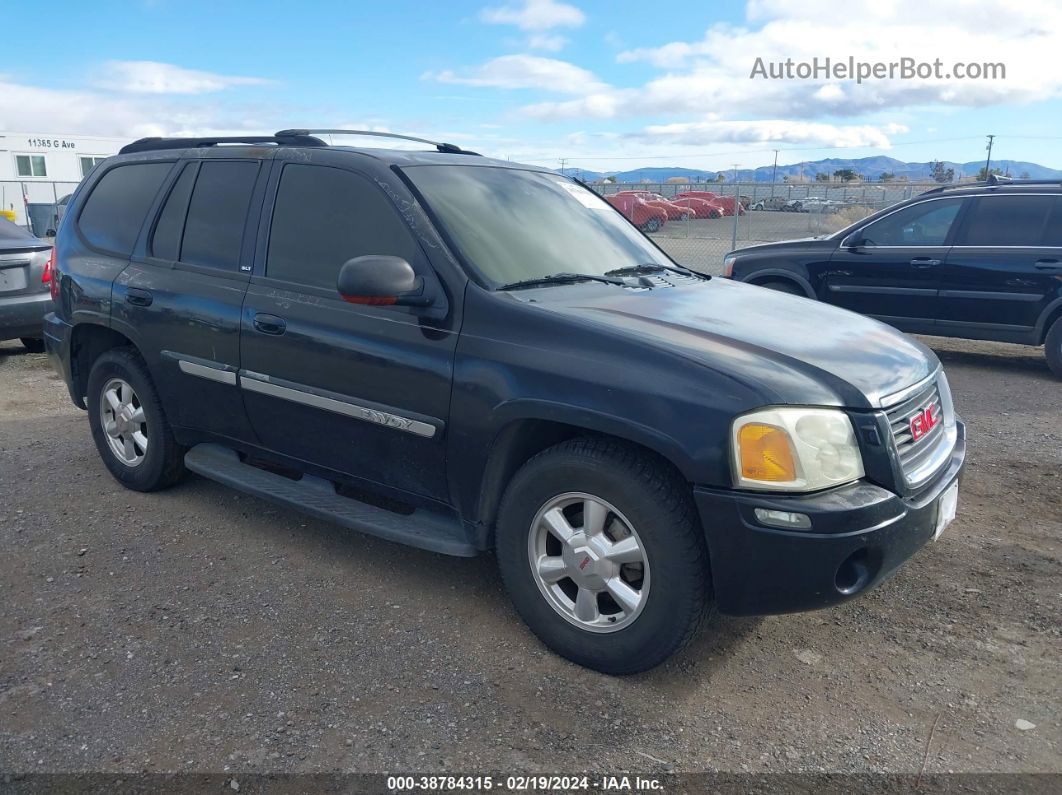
x=50 y=143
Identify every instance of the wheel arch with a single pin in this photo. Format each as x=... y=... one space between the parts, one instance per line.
x=88 y=341
x=1052 y=312
x=779 y=274
x=520 y=439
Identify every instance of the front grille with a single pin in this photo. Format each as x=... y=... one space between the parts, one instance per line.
x=916 y=454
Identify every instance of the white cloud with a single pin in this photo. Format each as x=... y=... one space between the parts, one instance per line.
x=152 y=77
x=525 y=71
x=546 y=41
x=1024 y=35
x=772 y=131
x=535 y=15
x=24 y=107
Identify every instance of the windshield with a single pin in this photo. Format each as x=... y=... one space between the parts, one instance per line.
x=513 y=225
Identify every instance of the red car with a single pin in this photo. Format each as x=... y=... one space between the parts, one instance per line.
x=639 y=212
x=724 y=203
x=702 y=208
x=674 y=211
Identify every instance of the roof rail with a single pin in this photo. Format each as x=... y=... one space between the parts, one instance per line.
x=442 y=147
x=993 y=181
x=157 y=144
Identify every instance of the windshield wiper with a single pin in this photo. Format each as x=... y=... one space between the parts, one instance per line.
x=560 y=278
x=651 y=267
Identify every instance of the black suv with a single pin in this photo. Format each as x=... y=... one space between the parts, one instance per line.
x=465 y=354
x=981 y=261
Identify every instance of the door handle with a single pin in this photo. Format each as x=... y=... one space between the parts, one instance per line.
x=1048 y=265
x=138 y=297
x=925 y=262
x=270 y=324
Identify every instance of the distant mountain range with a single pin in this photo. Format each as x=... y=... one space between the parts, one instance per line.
x=869 y=168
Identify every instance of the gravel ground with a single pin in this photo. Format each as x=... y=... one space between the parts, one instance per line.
x=202 y=630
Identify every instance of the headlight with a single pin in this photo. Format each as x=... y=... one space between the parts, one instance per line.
x=794 y=449
x=728 y=266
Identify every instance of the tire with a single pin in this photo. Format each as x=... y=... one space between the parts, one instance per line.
x=633 y=491
x=158 y=461
x=783 y=286
x=1053 y=347
x=32 y=344
x=652 y=225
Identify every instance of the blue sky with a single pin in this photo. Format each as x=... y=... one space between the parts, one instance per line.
x=607 y=84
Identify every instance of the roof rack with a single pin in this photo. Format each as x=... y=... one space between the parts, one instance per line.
x=993 y=181
x=442 y=147
x=280 y=139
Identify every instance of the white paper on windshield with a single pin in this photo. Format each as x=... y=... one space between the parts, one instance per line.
x=585 y=197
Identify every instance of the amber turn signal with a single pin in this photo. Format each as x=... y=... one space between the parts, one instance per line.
x=766 y=453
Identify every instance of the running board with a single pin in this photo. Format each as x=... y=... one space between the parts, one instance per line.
x=317 y=497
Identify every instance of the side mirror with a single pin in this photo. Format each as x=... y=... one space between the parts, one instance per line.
x=854 y=240
x=381 y=280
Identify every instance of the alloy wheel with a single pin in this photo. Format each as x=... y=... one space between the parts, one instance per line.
x=124 y=423
x=588 y=562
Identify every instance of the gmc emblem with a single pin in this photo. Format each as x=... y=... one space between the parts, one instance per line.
x=923 y=422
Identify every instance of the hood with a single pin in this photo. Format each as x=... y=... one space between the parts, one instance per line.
x=819 y=241
x=791 y=349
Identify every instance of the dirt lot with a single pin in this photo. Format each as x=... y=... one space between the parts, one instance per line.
x=198 y=629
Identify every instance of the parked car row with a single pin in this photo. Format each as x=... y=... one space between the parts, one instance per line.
x=650 y=211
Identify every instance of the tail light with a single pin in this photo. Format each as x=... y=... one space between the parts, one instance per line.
x=48 y=277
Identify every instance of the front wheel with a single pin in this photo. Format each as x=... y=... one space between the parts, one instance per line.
x=32 y=344
x=128 y=424
x=603 y=557
x=1053 y=348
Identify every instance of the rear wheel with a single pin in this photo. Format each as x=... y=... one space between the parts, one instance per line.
x=32 y=344
x=1053 y=348
x=782 y=286
x=601 y=552
x=128 y=424
x=652 y=225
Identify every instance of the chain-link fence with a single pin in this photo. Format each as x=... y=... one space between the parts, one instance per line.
x=35 y=204
x=771 y=212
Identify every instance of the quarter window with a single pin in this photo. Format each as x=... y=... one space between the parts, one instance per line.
x=31 y=166
x=118 y=204
x=217 y=213
x=923 y=224
x=1053 y=229
x=324 y=217
x=166 y=241
x=1006 y=220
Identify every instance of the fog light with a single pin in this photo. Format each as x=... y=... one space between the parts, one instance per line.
x=784 y=519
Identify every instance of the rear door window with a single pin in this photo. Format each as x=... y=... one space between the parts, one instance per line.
x=217 y=213
x=1053 y=229
x=923 y=224
x=325 y=216
x=119 y=202
x=1006 y=220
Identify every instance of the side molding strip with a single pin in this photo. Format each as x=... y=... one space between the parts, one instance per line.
x=258 y=383
x=209 y=373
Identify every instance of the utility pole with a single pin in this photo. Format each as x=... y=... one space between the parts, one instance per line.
x=774 y=172
x=563 y=160
x=737 y=209
x=988 y=160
